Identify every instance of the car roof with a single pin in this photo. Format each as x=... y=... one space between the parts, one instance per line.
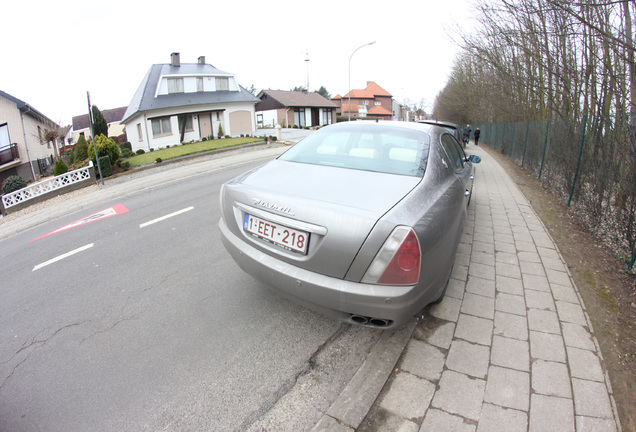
x=439 y=123
x=421 y=127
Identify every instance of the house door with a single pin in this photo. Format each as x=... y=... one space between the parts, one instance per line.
x=315 y=117
x=205 y=125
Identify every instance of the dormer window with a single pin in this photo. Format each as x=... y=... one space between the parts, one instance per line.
x=222 y=83
x=175 y=85
x=200 y=84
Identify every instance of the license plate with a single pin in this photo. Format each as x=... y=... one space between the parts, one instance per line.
x=281 y=235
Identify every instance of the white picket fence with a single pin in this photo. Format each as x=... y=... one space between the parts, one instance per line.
x=41 y=188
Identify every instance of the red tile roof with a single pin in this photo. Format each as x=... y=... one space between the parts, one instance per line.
x=380 y=110
x=370 y=91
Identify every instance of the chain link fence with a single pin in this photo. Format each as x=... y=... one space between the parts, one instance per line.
x=588 y=163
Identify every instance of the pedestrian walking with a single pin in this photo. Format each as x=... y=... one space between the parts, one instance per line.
x=477 y=133
x=467 y=131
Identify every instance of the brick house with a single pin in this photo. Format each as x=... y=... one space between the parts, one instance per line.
x=372 y=101
x=294 y=108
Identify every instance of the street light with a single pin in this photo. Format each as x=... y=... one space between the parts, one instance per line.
x=354 y=51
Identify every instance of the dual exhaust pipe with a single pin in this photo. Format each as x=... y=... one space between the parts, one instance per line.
x=369 y=321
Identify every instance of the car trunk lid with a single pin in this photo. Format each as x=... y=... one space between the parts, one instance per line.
x=337 y=207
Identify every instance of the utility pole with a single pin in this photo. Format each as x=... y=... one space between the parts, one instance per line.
x=307 y=61
x=90 y=121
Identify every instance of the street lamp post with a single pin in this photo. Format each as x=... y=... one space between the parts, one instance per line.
x=354 y=51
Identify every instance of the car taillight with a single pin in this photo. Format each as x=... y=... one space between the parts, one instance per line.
x=398 y=262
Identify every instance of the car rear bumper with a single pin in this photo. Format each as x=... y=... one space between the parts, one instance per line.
x=356 y=303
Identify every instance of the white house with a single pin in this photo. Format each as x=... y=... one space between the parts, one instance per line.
x=113 y=117
x=23 y=149
x=178 y=103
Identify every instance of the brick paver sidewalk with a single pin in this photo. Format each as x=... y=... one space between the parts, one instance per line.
x=511 y=347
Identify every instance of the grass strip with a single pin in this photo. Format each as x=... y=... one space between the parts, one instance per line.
x=188 y=149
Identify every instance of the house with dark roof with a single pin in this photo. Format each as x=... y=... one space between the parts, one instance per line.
x=177 y=103
x=113 y=117
x=23 y=149
x=372 y=101
x=294 y=108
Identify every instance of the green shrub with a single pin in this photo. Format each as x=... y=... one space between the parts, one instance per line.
x=81 y=149
x=140 y=151
x=60 y=168
x=126 y=145
x=220 y=134
x=105 y=147
x=71 y=157
x=13 y=183
x=106 y=167
x=158 y=160
x=126 y=153
x=125 y=165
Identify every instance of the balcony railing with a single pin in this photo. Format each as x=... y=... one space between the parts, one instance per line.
x=9 y=153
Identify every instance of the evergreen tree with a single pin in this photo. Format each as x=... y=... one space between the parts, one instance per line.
x=322 y=91
x=100 y=127
x=81 y=149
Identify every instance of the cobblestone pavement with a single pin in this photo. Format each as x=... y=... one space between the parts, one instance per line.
x=511 y=347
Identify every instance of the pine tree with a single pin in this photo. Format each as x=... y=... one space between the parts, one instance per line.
x=100 y=127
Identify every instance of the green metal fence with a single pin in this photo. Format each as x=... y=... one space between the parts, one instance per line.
x=587 y=163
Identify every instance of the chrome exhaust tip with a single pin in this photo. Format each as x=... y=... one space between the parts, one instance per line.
x=370 y=321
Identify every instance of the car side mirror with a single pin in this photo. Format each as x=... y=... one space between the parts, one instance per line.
x=473 y=159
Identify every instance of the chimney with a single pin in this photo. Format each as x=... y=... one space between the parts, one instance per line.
x=175 y=61
x=202 y=60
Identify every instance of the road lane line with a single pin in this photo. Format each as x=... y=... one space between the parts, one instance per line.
x=61 y=257
x=143 y=225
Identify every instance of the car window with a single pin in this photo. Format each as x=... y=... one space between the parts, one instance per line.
x=453 y=151
x=370 y=147
x=459 y=148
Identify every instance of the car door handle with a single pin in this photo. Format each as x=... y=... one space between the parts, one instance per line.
x=467 y=192
x=472 y=177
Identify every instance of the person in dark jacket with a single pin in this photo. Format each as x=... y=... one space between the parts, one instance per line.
x=476 y=135
x=467 y=131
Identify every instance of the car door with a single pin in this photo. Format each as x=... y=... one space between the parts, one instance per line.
x=457 y=158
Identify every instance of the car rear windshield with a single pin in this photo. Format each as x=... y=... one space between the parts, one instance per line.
x=370 y=147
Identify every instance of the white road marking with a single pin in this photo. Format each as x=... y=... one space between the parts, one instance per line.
x=61 y=257
x=143 y=225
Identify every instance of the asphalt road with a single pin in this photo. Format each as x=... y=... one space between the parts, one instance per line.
x=133 y=317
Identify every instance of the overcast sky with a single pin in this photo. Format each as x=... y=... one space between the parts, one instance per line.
x=56 y=51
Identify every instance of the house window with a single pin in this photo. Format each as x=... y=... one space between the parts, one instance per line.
x=376 y=103
x=139 y=132
x=175 y=85
x=199 y=84
x=188 y=123
x=222 y=83
x=299 y=117
x=366 y=102
x=326 y=116
x=161 y=126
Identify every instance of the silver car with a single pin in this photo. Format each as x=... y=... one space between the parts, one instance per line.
x=359 y=221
